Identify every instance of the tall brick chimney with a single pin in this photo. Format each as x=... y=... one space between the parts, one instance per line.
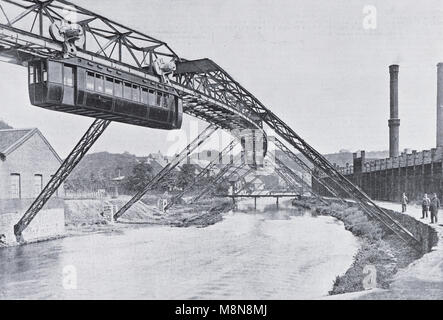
x=394 y=121
x=440 y=105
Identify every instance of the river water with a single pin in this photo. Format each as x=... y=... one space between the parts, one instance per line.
x=267 y=253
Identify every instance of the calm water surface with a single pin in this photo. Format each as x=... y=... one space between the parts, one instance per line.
x=265 y=254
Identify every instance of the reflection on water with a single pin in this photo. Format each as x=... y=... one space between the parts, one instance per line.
x=267 y=253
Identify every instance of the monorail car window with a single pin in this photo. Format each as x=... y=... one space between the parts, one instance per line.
x=38 y=73
x=127 y=92
x=55 y=72
x=109 y=86
x=144 y=96
x=31 y=74
x=99 y=83
x=159 y=99
x=68 y=76
x=151 y=98
x=118 y=89
x=165 y=100
x=90 y=81
x=135 y=93
x=44 y=73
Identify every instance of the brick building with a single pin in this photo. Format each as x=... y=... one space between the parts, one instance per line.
x=27 y=162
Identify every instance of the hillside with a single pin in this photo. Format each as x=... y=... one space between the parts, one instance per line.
x=4 y=125
x=97 y=169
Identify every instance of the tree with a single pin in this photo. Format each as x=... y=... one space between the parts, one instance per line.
x=141 y=173
x=186 y=176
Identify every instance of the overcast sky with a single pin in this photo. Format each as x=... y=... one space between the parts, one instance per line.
x=311 y=62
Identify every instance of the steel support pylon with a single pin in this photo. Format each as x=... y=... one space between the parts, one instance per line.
x=82 y=147
x=214 y=180
x=304 y=166
x=287 y=171
x=205 y=134
x=207 y=169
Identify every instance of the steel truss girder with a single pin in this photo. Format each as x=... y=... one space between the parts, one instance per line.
x=320 y=162
x=205 y=134
x=303 y=166
x=23 y=43
x=246 y=184
x=239 y=95
x=103 y=36
x=288 y=172
x=287 y=179
x=242 y=176
x=225 y=89
x=227 y=150
x=89 y=138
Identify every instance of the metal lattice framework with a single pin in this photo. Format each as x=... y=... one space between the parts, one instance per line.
x=24 y=34
x=202 y=137
x=241 y=95
x=280 y=145
x=218 y=178
x=209 y=92
x=85 y=143
x=207 y=170
x=296 y=180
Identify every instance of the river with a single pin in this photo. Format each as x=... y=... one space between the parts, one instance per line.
x=267 y=253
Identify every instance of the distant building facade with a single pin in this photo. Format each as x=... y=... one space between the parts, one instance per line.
x=27 y=162
x=414 y=173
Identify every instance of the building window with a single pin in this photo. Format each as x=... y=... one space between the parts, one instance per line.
x=38 y=184
x=68 y=76
x=15 y=186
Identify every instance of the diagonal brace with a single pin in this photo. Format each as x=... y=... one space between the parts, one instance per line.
x=89 y=138
x=205 y=134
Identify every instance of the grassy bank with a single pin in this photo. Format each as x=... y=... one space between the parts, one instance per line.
x=379 y=247
x=88 y=215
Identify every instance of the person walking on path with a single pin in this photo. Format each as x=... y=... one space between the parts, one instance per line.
x=404 y=202
x=435 y=205
x=426 y=202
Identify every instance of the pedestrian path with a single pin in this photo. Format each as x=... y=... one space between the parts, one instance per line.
x=422 y=279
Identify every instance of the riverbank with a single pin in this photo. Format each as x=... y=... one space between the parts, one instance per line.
x=379 y=247
x=88 y=216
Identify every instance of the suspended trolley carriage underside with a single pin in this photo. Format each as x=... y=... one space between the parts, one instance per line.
x=81 y=87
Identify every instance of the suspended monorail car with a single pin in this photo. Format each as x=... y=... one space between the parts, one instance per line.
x=86 y=88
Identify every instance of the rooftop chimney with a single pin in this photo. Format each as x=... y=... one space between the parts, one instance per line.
x=394 y=121
x=440 y=105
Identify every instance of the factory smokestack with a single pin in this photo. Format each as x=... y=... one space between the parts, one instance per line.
x=394 y=121
x=440 y=105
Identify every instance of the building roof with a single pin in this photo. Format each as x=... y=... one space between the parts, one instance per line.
x=11 y=139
